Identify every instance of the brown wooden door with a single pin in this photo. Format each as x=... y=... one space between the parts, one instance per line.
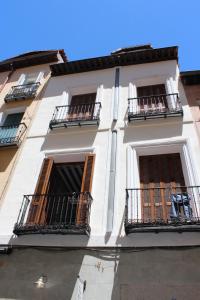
x=156 y=100
x=160 y=175
x=82 y=106
x=37 y=207
x=86 y=187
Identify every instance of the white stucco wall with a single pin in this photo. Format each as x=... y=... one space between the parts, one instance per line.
x=41 y=141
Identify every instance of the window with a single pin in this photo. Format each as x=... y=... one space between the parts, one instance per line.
x=161 y=195
x=62 y=195
x=26 y=87
x=160 y=177
x=152 y=101
x=82 y=106
x=152 y=98
x=82 y=111
x=30 y=78
x=9 y=130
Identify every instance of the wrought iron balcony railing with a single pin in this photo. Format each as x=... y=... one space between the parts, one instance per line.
x=76 y=115
x=155 y=106
x=162 y=209
x=12 y=135
x=53 y=213
x=20 y=92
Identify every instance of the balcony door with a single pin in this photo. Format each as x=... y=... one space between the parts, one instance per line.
x=160 y=176
x=61 y=192
x=8 y=131
x=152 y=98
x=82 y=107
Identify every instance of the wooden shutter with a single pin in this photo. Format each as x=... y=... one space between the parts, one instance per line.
x=152 y=102
x=85 y=187
x=38 y=204
x=88 y=173
x=159 y=171
x=82 y=106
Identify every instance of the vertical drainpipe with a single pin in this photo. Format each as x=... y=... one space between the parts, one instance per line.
x=116 y=96
x=113 y=153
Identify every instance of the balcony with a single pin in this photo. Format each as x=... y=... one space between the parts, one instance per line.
x=162 y=209
x=22 y=92
x=76 y=115
x=12 y=135
x=54 y=214
x=155 y=106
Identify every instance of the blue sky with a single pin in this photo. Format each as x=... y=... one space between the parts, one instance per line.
x=90 y=28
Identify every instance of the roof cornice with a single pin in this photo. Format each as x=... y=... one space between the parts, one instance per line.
x=114 y=60
x=32 y=59
x=190 y=77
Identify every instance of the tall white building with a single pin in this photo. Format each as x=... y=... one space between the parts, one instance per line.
x=104 y=200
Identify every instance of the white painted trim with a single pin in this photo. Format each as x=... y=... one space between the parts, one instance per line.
x=49 y=153
x=99 y=96
x=150 y=80
x=175 y=140
x=65 y=98
x=132 y=93
x=171 y=100
x=1 y=117
x=21 y=79
x=40 y=77
x=165 y=146
x=72 y=155
x=10 y=111
x=81 y=90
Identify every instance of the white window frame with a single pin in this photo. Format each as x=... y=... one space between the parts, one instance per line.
x=98 y=89
x=82 y=90
x=164 y=146
x=69 y=155
x=166 y=80
x=22 y=77
x=3 y=115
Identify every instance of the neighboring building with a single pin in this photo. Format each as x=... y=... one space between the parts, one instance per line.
x=22 y=81
x=109 y=205
x=191 y=82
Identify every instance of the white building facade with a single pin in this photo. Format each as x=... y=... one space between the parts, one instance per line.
x=107 y=184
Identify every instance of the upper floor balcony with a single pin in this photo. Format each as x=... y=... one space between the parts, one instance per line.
x=22 y=92
x=162 y=209
x=76 y=115
x=154 y=106
x=67 y=213
x=11 y=135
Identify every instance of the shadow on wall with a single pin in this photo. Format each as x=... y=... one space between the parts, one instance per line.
x=154 y=273
x=53 y=274
x=71 y=139
x=31 y=274
x=6 y=156
x=135 y=132
x=163 y=274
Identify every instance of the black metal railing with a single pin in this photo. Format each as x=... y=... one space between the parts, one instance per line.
x=52 y=213
x=12 y=135
x=76 y=115
x=19 y=92
x=155 y=106
x=169 y=208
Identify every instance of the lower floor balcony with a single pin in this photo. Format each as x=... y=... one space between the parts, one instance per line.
x=54 y=214
x=162 y=209
x=12 y=135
